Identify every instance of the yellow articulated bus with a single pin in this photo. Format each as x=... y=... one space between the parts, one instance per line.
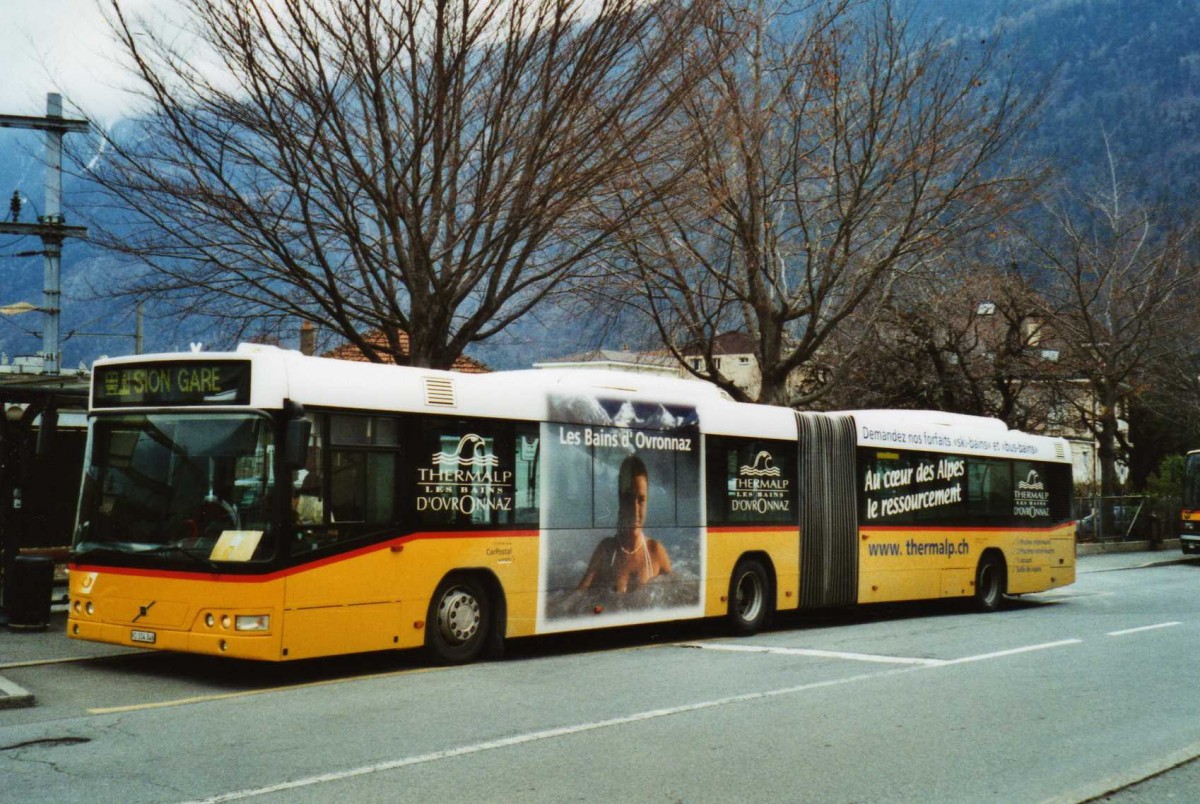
x=261 y=504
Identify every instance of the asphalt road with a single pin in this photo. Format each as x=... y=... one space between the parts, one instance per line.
x=1064 y=696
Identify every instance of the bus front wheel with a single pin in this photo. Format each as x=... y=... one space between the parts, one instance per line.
x=989 y=584
x=459 y=621
x=749 y=597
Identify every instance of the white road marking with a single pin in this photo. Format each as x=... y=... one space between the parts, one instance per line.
x=913 y=665
x=985 y=656
x=1143 y=628
x=824 y=654
x=39 y=662
x=872 y=657
x=1065 y=593
x=535 y=736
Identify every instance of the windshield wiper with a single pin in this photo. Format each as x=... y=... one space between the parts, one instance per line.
x=174 y=548
x=78 y=553
x=81 y=553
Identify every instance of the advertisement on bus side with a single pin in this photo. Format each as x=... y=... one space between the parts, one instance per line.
x=622 y=536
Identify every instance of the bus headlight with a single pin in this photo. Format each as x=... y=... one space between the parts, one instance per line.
x=252 y=622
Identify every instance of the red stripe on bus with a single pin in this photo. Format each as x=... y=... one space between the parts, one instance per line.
x=891 y=528
x=755 y=529
x=283 y=573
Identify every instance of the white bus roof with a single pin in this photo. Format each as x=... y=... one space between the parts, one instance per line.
x=957 y=433
x=280 y=374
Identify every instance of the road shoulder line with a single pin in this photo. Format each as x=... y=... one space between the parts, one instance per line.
x=13 y=696
x=821 y=654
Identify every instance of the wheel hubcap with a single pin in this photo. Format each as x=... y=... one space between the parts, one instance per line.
x=459 y=616
x=749 y=596
x=988 y=580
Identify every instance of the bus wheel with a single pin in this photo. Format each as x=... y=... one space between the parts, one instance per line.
x=749 y=598
x=989 y=584
x=460 y=618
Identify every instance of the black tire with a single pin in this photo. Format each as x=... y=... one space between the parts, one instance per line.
x=749 y=597
x=989 y=584
x=460 y=620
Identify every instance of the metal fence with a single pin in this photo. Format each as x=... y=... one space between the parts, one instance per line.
x=1133 y=517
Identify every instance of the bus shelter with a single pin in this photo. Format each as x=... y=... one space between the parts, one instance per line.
x=42 y=440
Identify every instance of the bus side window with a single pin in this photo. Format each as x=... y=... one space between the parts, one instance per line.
x=990 y=490
x=885 y=479
x=362 y=473
x=1032 y=495
x=467 y=474
x=750 y=481
x=525 y=480
x=1058 y=483
x=362 y=486
x=308 y=490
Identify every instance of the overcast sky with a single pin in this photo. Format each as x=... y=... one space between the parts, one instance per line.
x=62 y=46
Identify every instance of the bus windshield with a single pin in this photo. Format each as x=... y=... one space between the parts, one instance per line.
x=189 y=488
x=1191 y=482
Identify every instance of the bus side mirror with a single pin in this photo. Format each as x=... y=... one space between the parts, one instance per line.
x=296 y=449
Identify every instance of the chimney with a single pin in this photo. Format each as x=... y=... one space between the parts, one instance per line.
x=308 y=338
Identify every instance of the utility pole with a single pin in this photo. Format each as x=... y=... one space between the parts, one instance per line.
x=51 y=226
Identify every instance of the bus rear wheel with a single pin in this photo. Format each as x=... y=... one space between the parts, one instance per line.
x=989 y=584
x=459 y=621
x=749 y=597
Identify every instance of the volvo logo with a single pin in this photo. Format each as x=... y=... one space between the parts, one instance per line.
x=144 y=610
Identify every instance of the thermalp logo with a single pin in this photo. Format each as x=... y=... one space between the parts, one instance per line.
x=1031 y=483
x=763 y=466
x=466 y=481
x=760 y=488
x=1031 y=498
x=477 y=455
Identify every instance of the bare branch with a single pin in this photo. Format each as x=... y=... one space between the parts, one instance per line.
x=828 y=154
x=388 y=165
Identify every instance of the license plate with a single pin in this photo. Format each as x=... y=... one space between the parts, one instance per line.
x=142 y=636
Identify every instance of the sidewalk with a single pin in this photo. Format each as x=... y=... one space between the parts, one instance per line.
x=25 y=648
x=1104 y=556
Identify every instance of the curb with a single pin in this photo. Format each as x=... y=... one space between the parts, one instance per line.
x=1105 y=548
x=1164 y=562
x=13 y=696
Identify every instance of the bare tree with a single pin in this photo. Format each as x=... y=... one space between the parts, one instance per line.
x=968 y=339
x=829 y=151
x=1125 y=278
x=397 y=166
x=1175 y=397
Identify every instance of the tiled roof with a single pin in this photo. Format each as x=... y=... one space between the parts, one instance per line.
x=731 y=343
x=349 y=351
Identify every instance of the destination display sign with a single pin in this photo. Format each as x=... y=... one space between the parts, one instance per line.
x=191 y=382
